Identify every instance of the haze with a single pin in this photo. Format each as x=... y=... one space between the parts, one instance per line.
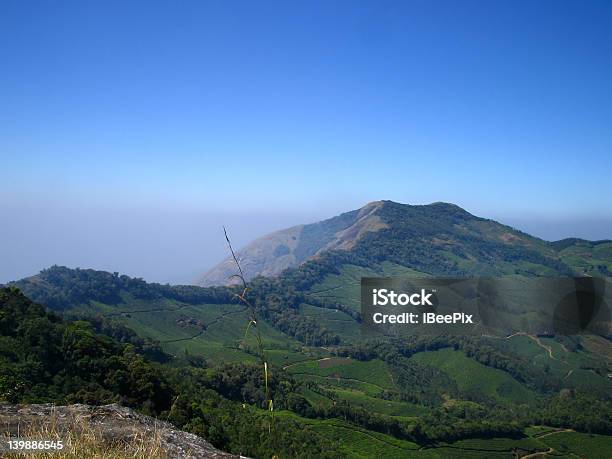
x=130 y=132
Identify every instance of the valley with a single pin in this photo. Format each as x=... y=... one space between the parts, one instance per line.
x=481 y=396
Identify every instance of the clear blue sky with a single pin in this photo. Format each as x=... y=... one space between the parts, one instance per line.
x=218 y=111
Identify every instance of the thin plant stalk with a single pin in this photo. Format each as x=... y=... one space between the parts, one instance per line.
x=253 y=322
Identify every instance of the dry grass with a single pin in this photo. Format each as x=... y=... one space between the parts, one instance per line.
x=82 y=440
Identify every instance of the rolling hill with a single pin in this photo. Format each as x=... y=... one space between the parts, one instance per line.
x=418 y=397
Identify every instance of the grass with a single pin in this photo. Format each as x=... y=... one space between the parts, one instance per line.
x=565 y=365
x=213 y=352
x=379 y=405
x=216 y=335
x=361 y=443
x=583 y=257
x=575 y=444
x=526 y=444
x=315 y=398
x=598 y=345
x=82 y=441
x=335 y=321
x=536 y=431
x=374 y=372
x=356 y=442
x=327 y=382
x=475 y=378
x=458 y=453
x=283 y=357
x=345 y=287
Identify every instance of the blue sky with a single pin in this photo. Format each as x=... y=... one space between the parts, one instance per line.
x=143 y=118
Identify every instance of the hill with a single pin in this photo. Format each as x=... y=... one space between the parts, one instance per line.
x=45 y=358
x=439 y=239
x=461 y=395
x=272 y=254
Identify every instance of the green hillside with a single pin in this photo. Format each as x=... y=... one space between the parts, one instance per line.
x=427 y=397
x=434 y=393
x=475 y=379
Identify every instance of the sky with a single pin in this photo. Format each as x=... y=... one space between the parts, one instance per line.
x=130 y=132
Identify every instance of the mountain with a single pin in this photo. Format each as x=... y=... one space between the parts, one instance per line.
x=272 y=254
x=438 y=238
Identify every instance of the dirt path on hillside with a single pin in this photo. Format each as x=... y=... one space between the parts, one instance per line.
x=539 y=453
x=289 y=365
x=543 y=346
x=547 y=434
x=537 y=341
x=550 y=448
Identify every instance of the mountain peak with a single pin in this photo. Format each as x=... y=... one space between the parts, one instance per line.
x=288 y=248
x=437 y=238
x=433 y=205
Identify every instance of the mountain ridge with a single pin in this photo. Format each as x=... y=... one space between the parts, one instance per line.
x=461 y=242
x=271 y=254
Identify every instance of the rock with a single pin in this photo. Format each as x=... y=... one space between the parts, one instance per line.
x=109 y=423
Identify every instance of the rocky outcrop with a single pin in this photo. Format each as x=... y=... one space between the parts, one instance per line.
x=109 y=424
